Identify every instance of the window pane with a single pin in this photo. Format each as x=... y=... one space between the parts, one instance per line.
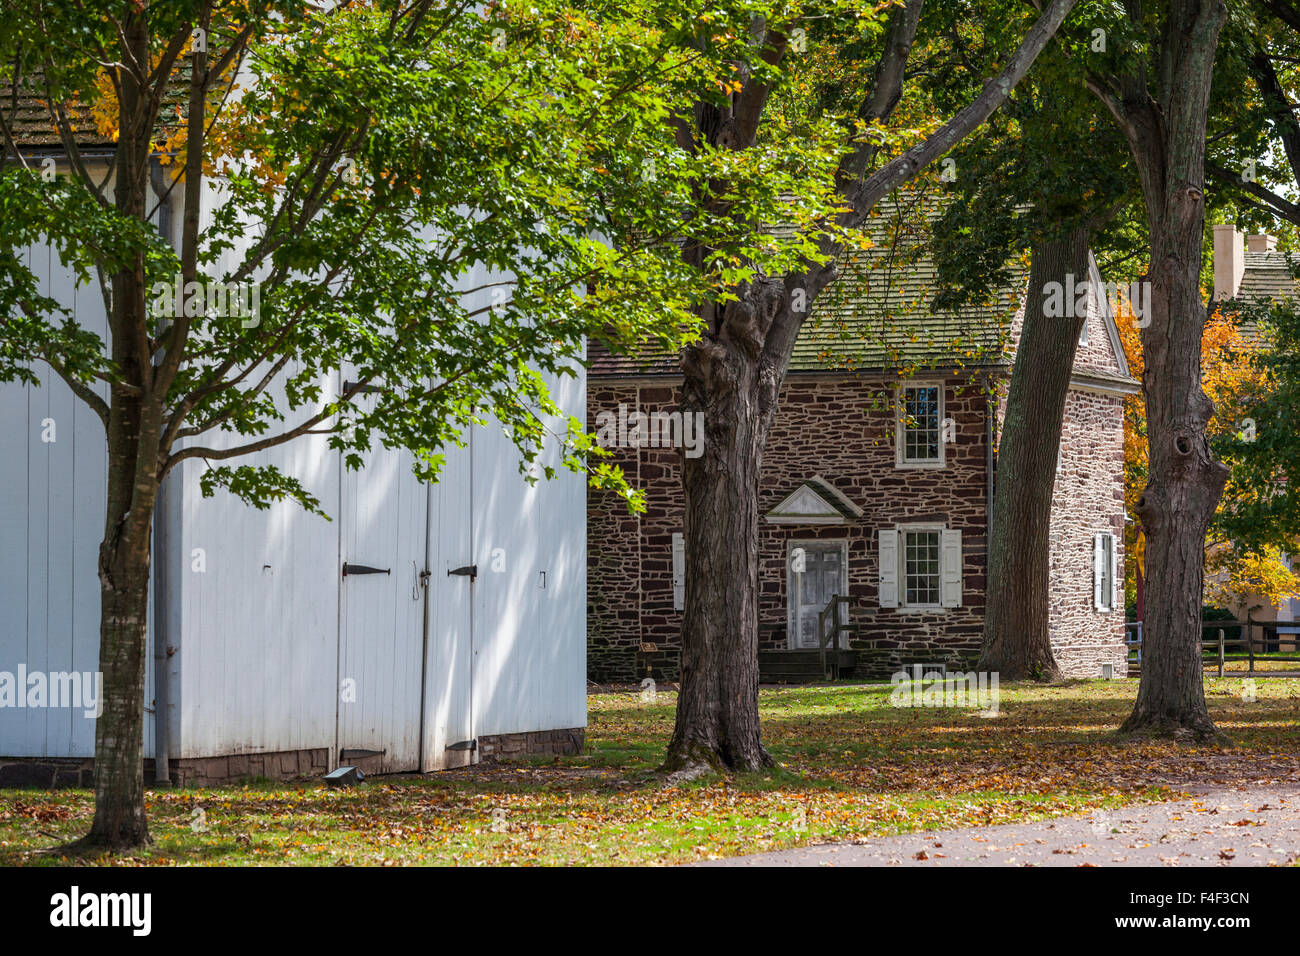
x=1107 y=581
x=921 y=423
x=921 y=567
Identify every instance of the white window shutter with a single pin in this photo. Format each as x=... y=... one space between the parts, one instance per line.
x=1114 y=575
x=888 y=553
x=950 y=568
x=679 y=571
x=1098 y=557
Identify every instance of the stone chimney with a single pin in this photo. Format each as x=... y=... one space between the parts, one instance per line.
x=1229 y=261
x=1264 y=243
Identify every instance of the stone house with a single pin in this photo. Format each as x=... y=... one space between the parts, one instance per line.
x=881 y=467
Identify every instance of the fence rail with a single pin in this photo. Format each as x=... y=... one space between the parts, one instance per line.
x=1267 y=645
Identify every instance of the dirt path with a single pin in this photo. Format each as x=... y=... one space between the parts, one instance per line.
x=1256 y=826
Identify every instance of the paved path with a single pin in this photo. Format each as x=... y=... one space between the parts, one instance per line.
x=1258 y=826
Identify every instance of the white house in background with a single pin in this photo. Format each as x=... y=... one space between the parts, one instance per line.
x=1252 y=268
x=460 y=635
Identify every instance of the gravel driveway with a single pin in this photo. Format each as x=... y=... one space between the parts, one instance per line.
x=1217 y=827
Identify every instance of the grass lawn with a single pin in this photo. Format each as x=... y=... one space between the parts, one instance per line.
x=852 y=767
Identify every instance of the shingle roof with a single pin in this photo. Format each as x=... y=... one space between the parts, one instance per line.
x=1268 y=275
x=27 y=112
x=876 y=316
x=33 y=125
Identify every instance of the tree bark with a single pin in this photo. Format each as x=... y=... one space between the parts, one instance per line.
x=1017 y=639
x=1167 y=140
x=119 y=821
x=717 y=722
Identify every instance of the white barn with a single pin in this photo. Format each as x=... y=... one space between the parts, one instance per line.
x=425 y=627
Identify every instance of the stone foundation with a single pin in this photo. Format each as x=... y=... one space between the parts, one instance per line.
x=52 y=773
x=216 y=771
x=495 y=747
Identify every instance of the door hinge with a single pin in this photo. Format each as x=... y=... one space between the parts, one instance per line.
x=463 y=745
x=347 y=387
x=470 y=571
x=363 y=569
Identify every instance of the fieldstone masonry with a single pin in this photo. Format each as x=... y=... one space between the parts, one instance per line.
x=841 y=428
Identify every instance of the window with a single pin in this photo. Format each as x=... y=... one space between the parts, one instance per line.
x=1104 y=563
x=920 y=568
x=920 y=425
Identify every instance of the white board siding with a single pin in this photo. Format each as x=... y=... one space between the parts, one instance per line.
x=257 y=633
x=51 y=522
x=259 y=640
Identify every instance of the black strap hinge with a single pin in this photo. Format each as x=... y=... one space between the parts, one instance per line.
x=470 y=571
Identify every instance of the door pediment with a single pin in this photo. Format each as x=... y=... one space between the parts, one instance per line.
x=816 y=501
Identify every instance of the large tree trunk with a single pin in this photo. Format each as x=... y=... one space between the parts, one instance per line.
x=1178 y=502
x=1167 y=139
x=717 y=723
x=1017 y=641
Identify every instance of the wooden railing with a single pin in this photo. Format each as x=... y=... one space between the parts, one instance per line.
x=838 y=627
x=1220 y=642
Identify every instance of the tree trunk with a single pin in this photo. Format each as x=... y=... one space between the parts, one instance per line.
x=1167 y=140
x=119 y=821
x=717 y=722
x=134 y=430
x=1178 y=502
x=1017 y=641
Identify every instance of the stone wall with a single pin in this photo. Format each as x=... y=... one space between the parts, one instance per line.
x=842 y=430
x=53 y=773
x=1088 y=500
x=499 y=747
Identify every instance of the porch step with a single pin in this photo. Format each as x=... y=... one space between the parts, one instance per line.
x=801 y=666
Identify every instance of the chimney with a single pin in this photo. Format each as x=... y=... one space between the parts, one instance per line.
x=1264 y=243
x=1229 y=261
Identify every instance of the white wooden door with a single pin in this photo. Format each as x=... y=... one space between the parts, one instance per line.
x=383 y=520
x=823 y=577
x=448 y=739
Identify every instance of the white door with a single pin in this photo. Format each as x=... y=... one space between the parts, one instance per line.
x=383 y=522
x=823 y=577
x=448 y=739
